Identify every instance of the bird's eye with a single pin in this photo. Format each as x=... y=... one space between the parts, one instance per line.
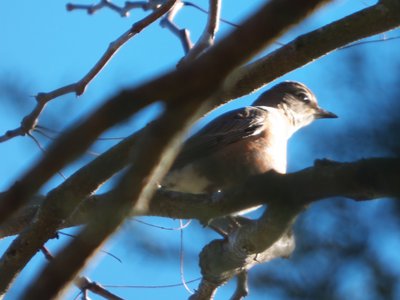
x=304 y=97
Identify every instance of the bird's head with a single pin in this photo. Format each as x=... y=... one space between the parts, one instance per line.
x=296 y=101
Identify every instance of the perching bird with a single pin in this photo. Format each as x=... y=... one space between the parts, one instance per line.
x=244 y=142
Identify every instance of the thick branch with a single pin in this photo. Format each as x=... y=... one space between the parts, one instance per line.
x=307 y=48
x=260 y=26
x=152 y=159
x=204 y=211
x=270 y=237
x=275 y=64
x=213 y=66
x=361 y=180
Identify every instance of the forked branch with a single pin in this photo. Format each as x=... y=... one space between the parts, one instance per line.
x=30 y=121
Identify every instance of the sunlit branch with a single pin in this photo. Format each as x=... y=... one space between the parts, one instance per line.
x=30 y=121
x=206 y=40
x=306 y=48
x=194 y=94
x=329 y=179
x=122 y=10
x=182 y=34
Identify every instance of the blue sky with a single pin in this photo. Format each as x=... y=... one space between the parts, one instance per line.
x=44 y=47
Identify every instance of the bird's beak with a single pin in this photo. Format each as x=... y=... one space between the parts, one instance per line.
x=324 y=114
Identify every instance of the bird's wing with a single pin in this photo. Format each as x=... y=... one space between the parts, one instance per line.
x=226 y=129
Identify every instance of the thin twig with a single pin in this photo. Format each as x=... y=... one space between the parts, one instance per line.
x=206 y=12
x=182 y=260
x=104 y=251
x=182 y=34
x=85 y=284
x=385 y=24
x=46 y=253
x=123 y=11
x=150 y=286
x=40 y=146
x=369 y=42
x=206 y=40
x=159 y=149
x=30 y=121
x=182 y=226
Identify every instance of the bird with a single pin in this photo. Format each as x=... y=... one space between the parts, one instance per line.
x=244 y=142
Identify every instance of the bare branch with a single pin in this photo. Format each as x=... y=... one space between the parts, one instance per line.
x=206 y=291
x=57 y=206
x=306 y=48
x=361 y=25
x=206 y=40
x=132 y=190
x=30 y=121
x=182 y=34
x=85 y=284
x=187 y=3
x=167 y=22
x=257 y=31
x=361 y=180
x=243 y=247
x=52 y=160
x=123 y=11
x=242 y=287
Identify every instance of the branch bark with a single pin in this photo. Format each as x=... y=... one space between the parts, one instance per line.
x=386 y=13
x=383 y=16
x=70 y=260
x=285 y=194
x=30 y=121
x=206 y=40
x=256 y=32
x=362 y=180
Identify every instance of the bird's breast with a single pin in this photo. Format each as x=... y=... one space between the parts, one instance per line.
x=187 y=179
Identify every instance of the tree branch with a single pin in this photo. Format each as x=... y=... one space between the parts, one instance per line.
x=285 y=194
x=30 y=121
x=85 y=284
x=118 y=110
x=206 y=40
x=265 y=68
x=255 y=32
x=182 y=34
x=170 y=212
x=361 y=180
x=383 y=16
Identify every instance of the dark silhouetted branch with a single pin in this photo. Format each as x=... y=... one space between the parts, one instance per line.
x=382 y=17
x=134 y=191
